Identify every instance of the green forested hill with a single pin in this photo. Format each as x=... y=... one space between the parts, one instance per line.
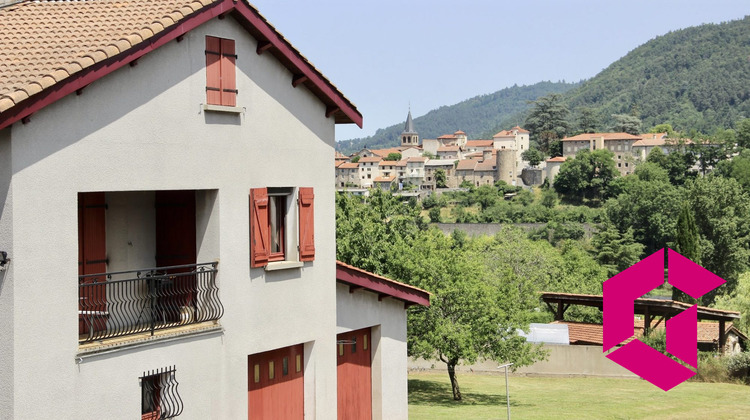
x=694 y=78
x=480 y=117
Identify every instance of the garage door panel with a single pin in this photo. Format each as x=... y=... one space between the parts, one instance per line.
x=276 y=384
x=354 y=374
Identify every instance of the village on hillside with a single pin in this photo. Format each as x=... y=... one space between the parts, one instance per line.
x=452 y=160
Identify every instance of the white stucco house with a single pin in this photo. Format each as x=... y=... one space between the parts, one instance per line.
x=167 y=223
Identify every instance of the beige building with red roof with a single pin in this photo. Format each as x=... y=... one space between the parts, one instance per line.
x=620 y=144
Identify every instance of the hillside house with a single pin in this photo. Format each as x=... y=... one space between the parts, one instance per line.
x=178 y=265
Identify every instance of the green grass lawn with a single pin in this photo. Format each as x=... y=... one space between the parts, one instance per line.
x=572 y=398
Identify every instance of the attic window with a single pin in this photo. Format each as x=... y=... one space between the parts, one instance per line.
x=221 y=84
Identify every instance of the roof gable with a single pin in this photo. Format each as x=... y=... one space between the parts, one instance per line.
x=50 y=49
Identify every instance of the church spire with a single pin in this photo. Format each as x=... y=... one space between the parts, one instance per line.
x=409 y=136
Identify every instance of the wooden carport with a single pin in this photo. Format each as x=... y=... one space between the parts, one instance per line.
x=648 y=307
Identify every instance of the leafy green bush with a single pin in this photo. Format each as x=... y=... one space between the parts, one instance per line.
x=738 y=365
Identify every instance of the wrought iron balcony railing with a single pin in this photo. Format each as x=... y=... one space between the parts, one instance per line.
x=131 y=302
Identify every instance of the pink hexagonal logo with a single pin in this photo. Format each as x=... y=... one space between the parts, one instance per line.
x=620 y=293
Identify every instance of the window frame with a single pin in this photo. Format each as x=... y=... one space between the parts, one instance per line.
x=296 y=213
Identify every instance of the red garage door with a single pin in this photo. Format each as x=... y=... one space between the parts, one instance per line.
x=275 y=384
x=354 y=367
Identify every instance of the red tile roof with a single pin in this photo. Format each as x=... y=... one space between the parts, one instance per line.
x=583 y=333
x=348 y=165
x=49 y=49
x=356 y=277
x=479 y=143
x=370 y=159
x=504 y=133
x=607 y=136
x=385 y=178
x=519 y=129
x=486 y=165
x=466 y=165
x=447 y=136
x=557 y=159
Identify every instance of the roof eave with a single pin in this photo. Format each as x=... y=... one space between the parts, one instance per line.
x=384 y=287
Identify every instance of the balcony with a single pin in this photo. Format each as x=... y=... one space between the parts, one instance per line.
x=123 y=303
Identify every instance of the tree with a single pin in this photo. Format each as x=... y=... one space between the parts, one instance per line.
x=663 y=128
x=588 y=120
x=428 y=155
x=614 y=250
x=720 y=208
x=393 y=156
x=743 y=133
x=739 y=300
x=587 y=176
x=533 y=155
x=708 y=153
x=440 y=178
x=738 y=168
x=477 y=303
x=547 y=121
x=625 y=123
x=650 y=208
x=687 y=244
x=676 y=163
x=355 y=159
x=435 y=215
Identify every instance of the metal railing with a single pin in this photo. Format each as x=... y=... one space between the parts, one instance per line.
x=130 y=302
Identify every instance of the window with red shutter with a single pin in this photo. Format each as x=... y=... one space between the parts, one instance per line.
x=259 y=232
x=271 y=236
x=221 y=84
x=306 y=225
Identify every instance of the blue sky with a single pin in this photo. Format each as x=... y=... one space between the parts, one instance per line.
x=385 y=55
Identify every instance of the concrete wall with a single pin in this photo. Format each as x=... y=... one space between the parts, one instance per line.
x=387 y=318
x=562 y=361
x=7 y=312
x=143 y=128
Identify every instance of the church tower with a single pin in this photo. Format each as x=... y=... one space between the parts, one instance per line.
x=409 y=136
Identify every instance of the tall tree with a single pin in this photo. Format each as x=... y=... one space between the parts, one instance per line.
x=588 y=120
x=587 y=176
x=547 y=120
x=477 y=304
x=687 y=244
x=721 y=210
x=440 y=178
x=625 y=123
x=743 y=133
x=615 y=251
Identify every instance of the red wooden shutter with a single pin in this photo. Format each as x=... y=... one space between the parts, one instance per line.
x=213 y=70
x=228 y=82
x=306 y=225
x=259 y=229
x=92 y=254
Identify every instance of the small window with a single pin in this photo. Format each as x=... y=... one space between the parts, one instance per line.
x=285 y=366
x=364 y=342
x=299 y=362
x=159 y=397
x=271 y=369
x=256 y=373
x=341 y=349
x=221 y=84
x=626 y=164
x=354 y=344
x=272 y=225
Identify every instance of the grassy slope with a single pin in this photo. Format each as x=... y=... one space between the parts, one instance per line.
x=572 y=398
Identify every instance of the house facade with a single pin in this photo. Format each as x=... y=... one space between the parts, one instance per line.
x=164 y=261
